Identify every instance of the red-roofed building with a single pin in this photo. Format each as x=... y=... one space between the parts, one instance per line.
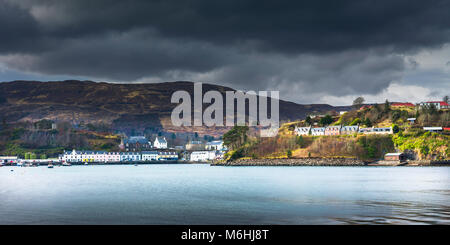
x=438 y=104
x=446 y=129
x=407 y=104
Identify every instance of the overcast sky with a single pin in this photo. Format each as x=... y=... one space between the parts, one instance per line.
x=311 y=51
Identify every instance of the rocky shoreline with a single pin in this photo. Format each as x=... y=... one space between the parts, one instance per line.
x=294 y=162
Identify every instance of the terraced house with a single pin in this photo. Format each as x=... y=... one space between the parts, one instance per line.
x=349 y=130
x=302 y=130
x=332 y=130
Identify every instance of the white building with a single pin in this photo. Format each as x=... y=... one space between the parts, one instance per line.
x=130 y=156
x=100 y=156
x=112 y=157
x=349 y=129
x=214 y=145
x=8 y=159
x=411 y=120
x=433 y=129
x=317 y=131
x=202 y=156
x=160 y=143
x=150 y=156
x=73 y=156
x=374 y=130
x=438 y=104
x=302 y=130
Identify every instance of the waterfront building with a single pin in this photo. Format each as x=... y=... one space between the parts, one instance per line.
x=112 y=157
x=317 y=131
x=130 y=156
x=160 y=143
x=394 y=157
x=332 y=130
x=100 y=156
x=149 y=156
x=214 y=145
x=167 y=156
x=348 y=130
x=8 y=159
x=202 y=156
x=302 y=130
x=73 y=156
x=88 y=156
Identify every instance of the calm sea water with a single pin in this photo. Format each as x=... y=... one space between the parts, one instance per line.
x=201 y=194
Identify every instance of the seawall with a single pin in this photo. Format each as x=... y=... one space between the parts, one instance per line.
x=294 y=162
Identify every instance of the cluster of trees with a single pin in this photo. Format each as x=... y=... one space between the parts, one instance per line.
x=236 y=137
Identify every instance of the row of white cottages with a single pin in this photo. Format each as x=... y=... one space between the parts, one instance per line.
x=104 y=157
x=340 y=130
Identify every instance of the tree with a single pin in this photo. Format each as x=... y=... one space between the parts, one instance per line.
x=326 y=120
x=196 y=135
x=445 y=99
x=300 y=141
x=289 y=153
x=308 y=120
x=236 y=137
x=395 y=128
x=357 y=103
x=43 y=156
x=27 y=155
x=395 y=116
x=367 y=122
x=387 y=106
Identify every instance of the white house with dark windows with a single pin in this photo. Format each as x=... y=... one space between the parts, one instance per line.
x=202 y=156
x=302 y=130
x=160 y=143
x=317 y=131
x=438 y=104
x=130 y=156
x=149 y=156
x=346 y=130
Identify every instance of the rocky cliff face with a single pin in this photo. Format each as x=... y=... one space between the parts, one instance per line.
x=123 y=106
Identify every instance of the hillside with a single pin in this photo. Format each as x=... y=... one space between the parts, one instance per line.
x=408 y=138
x=123 y=107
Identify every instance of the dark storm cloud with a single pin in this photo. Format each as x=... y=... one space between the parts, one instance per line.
x=340 y=47
x=299 y=26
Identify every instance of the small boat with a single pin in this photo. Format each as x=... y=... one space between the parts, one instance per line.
x=66 y=164
x=50 y=165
